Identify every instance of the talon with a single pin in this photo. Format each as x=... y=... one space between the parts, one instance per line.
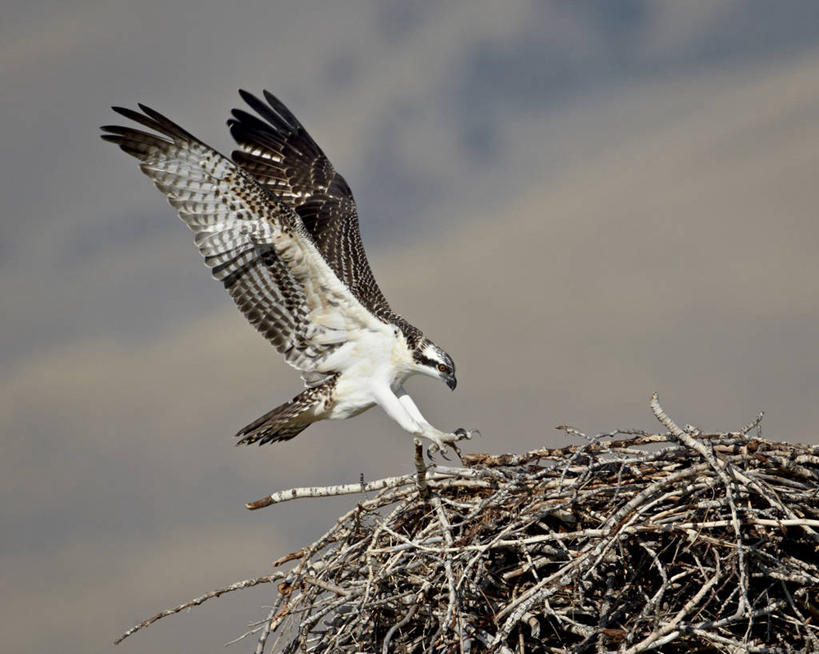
x=457 y=451
x=439 y=446
x=465 y=434
x=441 y=443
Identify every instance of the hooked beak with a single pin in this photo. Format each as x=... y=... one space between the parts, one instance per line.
x=451 y=382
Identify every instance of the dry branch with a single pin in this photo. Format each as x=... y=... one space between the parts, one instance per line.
x=675 y=542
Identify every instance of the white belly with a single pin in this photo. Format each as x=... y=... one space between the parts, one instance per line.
x=375 y=360
x=350 y=401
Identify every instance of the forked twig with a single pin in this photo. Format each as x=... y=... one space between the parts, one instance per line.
x=196 y=601
x=610 y=545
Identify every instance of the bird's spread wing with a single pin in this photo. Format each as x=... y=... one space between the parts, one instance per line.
x=279 y=153
x=254 y=244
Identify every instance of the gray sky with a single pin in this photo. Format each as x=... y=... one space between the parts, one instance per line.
x=583 y=202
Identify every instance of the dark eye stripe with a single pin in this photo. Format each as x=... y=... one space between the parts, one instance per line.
x=420 y=358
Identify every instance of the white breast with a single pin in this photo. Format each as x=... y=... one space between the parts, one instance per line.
x=372 y=360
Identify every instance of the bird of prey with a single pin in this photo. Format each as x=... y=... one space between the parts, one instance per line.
x=278 y=226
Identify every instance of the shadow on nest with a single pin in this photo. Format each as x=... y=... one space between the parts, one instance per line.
x=681 y=541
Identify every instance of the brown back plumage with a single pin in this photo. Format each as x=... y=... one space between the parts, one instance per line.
x=279 y=153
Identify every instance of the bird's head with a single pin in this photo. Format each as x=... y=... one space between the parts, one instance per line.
x=429 y=359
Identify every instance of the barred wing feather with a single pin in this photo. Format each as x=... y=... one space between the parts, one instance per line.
x=277 y=151
x=255 y=245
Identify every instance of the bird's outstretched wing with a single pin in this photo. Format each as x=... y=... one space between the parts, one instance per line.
x=279 y=153
x=255 y=245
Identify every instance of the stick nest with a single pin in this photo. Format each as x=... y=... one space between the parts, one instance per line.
x=627 y=542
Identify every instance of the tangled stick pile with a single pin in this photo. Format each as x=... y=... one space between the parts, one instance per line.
x=674 y=542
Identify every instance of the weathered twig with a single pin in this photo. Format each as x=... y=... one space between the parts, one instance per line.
x=421 y=471
x=611 y=545
x=239 y=585
x=329 y=491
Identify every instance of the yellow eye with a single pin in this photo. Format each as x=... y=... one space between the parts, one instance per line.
x=441 y=367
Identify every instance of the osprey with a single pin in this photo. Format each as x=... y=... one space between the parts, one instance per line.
x=278 y=226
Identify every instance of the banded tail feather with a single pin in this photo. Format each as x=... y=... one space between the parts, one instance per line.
x=290 y=419
x=278 y=227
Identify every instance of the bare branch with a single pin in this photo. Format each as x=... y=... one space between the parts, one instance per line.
x=329 y=491
x=624 y=542
x=239 y=585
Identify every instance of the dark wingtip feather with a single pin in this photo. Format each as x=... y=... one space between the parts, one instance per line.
x=254 y=102
x=278 y=121
x=155 y=115
x=167 y=126
x=125 y=144
x=247 y=96
x=154 y=120
x=117 y=129
x=281 y=109
x=129 y=113
x=245 y=119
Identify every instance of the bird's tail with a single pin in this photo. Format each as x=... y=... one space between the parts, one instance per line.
x=290 y=419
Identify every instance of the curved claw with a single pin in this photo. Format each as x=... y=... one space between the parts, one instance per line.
x=466 y=434
x=440 y=446
x=434 y=449
x=457 y=451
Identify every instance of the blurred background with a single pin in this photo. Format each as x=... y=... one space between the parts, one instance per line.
x=583 y=202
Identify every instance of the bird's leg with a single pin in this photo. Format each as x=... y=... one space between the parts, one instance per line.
x=406 y=414
x=440 y=440
x=408 y=404
x=460 y=434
